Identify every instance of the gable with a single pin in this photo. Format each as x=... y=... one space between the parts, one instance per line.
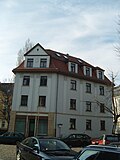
x=37 y=50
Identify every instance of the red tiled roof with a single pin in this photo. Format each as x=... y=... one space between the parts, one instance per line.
x=59 y=64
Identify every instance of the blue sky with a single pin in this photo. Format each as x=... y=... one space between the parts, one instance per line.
x=86 y=29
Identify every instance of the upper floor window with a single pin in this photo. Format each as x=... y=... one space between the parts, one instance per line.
x=102 y=108
x=72 y=123
x=88 y=124
x=73 y=85
x=72 y=67
x=43 y=63
x=26 y=80
x=30 y=62
x=88 y=87
x=100 y=74
x=43 y=81
x=73 y=104
x=88 y=106
x=101 y=88
x=88 y=71
x=42 y=101
x=24 y=100
x=102 y=125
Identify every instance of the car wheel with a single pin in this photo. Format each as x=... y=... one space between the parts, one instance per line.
x=18 y=156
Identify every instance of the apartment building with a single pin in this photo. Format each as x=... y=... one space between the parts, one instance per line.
x=56 y=94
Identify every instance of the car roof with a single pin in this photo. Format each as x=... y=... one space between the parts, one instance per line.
x=103 y=148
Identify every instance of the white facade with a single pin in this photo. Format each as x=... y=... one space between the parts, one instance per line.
x=59 y=95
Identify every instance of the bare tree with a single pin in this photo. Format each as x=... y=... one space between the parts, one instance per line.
x=6 y=90
x=28 y=45
x=117 y=46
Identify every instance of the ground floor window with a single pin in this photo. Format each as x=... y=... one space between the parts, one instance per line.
x=43 y=127
x=88 y=124
x=20 y=125
x=72 y=123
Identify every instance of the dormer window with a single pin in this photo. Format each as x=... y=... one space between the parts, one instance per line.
x=100 y=74
x=43 y=63
x=30 y=63
x=72 y=67
x=88 y=71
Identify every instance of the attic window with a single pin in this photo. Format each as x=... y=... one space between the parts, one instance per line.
x=65 y=57
x=37 y=49
x=79 y=61
x=58 y=54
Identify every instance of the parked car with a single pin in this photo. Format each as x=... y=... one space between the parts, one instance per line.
x=98 y=152
x=33 y=148
x=77 y=140
x=115 y=144
x=106 y=139
x=11 y=137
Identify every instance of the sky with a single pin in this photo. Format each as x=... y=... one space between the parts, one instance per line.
x=86 y=29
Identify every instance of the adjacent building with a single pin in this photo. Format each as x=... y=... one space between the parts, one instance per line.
x=117 y=105
x=57 y=94
x=6 y=91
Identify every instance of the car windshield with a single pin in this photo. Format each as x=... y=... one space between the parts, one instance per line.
x=52 y=145
x=112 y=138
x=88 y=154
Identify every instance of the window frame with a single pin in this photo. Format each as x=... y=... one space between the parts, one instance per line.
x=88 y=124
x=26 y=80
x=88 y=106
x=30 y=63
x=88 y=87
x=73 y=67
x=72 y=123
x=102 y=125
x=43 y=81
x=42 y=101
x=43 y=63
x=24 y=100
x=73 y=84
x=102 y=90
x=72 y=104
x=102 y=108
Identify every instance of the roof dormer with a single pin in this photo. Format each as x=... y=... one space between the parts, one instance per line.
x=37 y=57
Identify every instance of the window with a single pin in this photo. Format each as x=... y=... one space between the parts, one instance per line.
x=88 y=124
x=3 y=123
x=26 y=80
x=102 y=125
x=102 y=108
x=88 y=106
x=42 y=101
x=88 y=87
x=101 y=90
x=100 y=74
x=30 y=62
x=87 y=71
x=72 y=67
x=43 y=81
x=24 y=100
x=43 y=63
x=73 y=84
x=72 y=123
x=73 y=104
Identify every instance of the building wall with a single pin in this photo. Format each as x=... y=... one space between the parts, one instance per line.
x=58 y=95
